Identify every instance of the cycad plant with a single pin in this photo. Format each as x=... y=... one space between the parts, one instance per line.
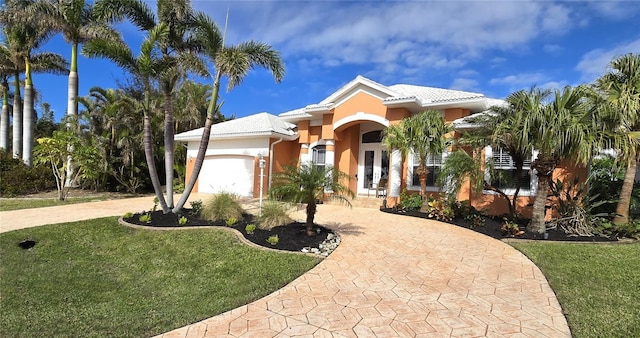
x=307 y=184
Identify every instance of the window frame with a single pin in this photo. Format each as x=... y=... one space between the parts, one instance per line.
x=524 y=191
x=411 y=161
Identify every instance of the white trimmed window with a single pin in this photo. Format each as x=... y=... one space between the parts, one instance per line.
x=434 y=166
x=505 y=168
x=319 y=155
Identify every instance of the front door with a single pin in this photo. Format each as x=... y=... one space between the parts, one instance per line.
x=373 y=164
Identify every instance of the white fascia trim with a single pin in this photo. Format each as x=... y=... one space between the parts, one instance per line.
x=361 y=116
x=239 y=136
x=392 y=102
x=359 y=80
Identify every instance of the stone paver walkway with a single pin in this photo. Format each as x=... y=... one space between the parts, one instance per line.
x=396 y=276
x=392 y=276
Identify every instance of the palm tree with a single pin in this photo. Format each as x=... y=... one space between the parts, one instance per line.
x=145 y=67
x=560 y=130
x=178 y=44
x=423 y=134
x=621 y=88
x=24 y=34
x=307 y=184
x=234 y=62
x=509 y=133
x=4 y=118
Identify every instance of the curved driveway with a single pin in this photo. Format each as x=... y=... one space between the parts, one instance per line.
x=392 y=276
x=397 y=276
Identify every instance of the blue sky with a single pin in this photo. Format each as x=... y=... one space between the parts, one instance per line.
x=491 y=47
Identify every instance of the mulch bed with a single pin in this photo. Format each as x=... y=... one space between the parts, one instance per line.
x=492 y=227
x=291 y=237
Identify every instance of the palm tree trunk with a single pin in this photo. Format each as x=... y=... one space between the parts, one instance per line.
x=72 y=103
x=537 y=225
x=153 y=173
x=17 y=119
x=169 y=132
x=204 y=143
x=423 y=172
x=28 y=126
x=311 y=213
x=622 y=210
x=4 y=120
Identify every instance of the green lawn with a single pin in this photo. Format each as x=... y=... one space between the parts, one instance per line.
x=28 y=203
x=598 y=285
x=100 y=279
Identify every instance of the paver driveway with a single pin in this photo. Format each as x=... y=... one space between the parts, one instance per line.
x=398 y=276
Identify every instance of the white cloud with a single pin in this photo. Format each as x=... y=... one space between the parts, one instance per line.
x=527 y=79
x=465 y=84
x=552 y=48
x=415 y=34
x=594 y=63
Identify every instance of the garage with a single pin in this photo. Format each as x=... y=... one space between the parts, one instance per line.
x=233 y=174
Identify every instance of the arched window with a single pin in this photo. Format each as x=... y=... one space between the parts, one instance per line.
x=372 y=137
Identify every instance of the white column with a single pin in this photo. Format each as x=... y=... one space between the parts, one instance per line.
x=330 y=155
x=396 y=173
x=305 y=157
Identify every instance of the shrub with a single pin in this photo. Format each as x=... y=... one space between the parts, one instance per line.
x=196 y=207
x=222 y=206
x=273 y=240
x=273 y=214
x=182 y=220
x=231 y=221
x=250 y=229
x=475 y=220
x=410 y=201
x=146 y=218
x=510 y=228
x=629 y=230
x=128 y=215
x=440 y=210
x=18 y=179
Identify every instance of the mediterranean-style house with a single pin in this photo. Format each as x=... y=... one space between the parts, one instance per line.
x=344 y=130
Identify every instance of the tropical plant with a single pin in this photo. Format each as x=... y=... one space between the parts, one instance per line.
x=560 y=130
x=144 y=68
x=423 y=135
x=24 y=34
x=55 y=150
x=223 y=206
x=177 y=48
x=410 y=201
x=307 y=184
x=621 y=90
x=250 y=229
x=233 y=62
x=273 y=214
x=273 y=240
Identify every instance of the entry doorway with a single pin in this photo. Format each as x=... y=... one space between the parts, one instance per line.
x=373 y=163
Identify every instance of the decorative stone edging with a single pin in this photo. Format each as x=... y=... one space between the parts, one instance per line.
x=326 y=247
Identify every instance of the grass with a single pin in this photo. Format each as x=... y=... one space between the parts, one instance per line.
x=598 y=285
x=100 y=279
x=7 y=204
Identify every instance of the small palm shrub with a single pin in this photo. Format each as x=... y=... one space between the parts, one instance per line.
x=223 y=206
x=273 y=214
x=196 y=207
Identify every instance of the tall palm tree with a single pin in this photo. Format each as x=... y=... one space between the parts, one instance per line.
x=24 y=34
x=76 y=21
x=621 y=89
x=307 y=184
x=145 y=67
x=560 y=130
x=423 y=135
x=4 y=118
x=233 y=62
x=178 y=44
x=508 y=131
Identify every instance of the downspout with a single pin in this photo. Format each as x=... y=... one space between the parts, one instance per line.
x=271 y=160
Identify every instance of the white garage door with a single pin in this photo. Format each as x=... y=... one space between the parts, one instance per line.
x=228 y=174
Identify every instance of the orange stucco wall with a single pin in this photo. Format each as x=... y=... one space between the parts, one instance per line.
x=346 y=152
x=190 y=163
x=360 y=102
